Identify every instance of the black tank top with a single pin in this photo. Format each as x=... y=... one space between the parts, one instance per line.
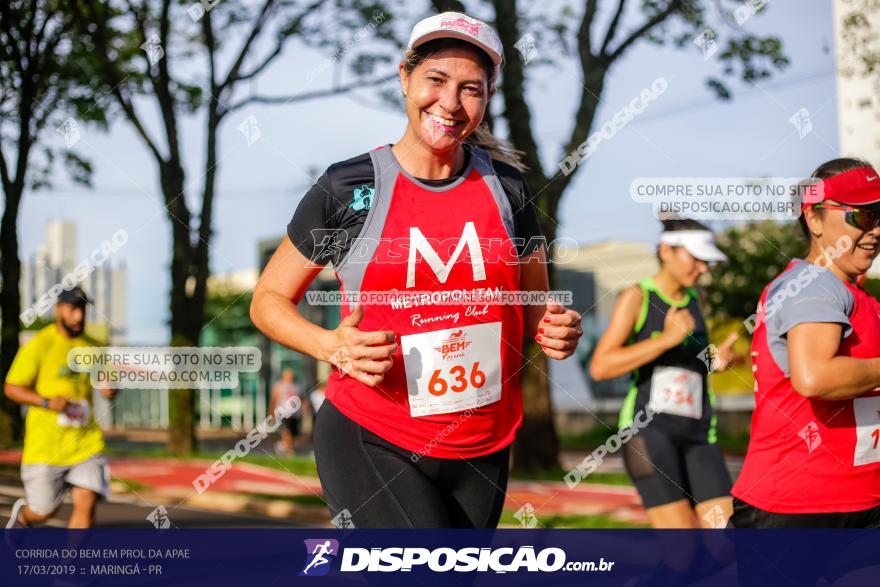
x=677 y=377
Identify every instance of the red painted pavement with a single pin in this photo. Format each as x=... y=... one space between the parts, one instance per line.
x=547 y=498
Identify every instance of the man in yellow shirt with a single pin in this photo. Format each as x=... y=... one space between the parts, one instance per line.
x=62 y=441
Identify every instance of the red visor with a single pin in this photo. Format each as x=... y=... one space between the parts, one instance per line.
x=856 y=187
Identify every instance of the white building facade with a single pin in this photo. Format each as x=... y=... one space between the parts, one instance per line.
x=858 y=92
x=105 y=285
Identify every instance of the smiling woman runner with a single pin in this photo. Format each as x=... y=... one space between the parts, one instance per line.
x=814 y=456
x=425 y=398
x=658 y=334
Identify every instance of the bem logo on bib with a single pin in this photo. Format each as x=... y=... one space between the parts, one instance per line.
x=419 y=244
x=453 y=346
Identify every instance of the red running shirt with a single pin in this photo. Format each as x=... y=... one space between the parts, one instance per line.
x=806 y=455
x=453 y=390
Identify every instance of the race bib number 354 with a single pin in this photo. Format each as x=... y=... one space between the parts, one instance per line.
x=677 y=391
x=453 y=370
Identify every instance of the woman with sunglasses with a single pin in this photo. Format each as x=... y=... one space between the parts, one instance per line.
x=814 y=454
x=424 y=399
x=658 y=334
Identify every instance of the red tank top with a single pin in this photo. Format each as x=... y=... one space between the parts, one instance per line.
x=453 y=390
x=808 y=455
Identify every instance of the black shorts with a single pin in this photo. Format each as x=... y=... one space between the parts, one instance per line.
x=384 y=486
x=292 y=425
x=665 y=469
x=748 y=516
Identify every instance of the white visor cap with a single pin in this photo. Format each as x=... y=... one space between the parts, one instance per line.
x=699 y=243
x=455 y=25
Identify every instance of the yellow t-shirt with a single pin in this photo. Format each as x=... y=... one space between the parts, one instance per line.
x=50 y=437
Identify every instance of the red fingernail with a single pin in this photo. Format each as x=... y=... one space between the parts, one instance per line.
x=538 y=337
x=547 y=319
x=541 y=330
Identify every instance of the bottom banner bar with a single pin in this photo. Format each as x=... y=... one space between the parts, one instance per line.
x=325 y=557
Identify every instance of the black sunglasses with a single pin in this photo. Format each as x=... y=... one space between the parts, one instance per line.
x=864 y=220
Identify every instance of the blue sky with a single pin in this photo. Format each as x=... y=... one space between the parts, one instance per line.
x=686 y=132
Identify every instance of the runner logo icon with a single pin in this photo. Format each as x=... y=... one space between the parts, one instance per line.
x=363 y=198
x=319 y=556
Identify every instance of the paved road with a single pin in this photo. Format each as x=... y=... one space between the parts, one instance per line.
x=123 y=512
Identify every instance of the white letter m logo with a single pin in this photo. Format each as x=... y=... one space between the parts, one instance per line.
x=418 y=243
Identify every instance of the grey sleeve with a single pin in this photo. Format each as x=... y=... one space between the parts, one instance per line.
x=805 y=294
x=810 y=295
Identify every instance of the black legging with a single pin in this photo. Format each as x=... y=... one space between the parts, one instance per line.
x=381 y=487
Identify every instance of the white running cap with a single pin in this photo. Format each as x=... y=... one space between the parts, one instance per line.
x=455 y=25
x=699 y=243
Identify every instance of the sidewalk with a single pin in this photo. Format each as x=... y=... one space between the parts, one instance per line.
x=163 y=479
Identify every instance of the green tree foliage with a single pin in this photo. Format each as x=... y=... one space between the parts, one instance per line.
x=758 y=252
x=47 y=96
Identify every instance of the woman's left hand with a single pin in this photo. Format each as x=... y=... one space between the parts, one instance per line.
x=559 y=331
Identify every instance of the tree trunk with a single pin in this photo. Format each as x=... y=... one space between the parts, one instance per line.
x=189 y=271
x=10 y=309
x=182 y=437
x=185 y=324
x=448 y=5
x=11 y=431
x=536 y=447
x=182 y=402
x=537 y=444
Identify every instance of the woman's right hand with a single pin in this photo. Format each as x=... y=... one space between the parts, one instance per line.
x=677 y=325
x=364 y=356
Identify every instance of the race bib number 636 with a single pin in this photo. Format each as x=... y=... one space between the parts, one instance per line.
x=454 y=369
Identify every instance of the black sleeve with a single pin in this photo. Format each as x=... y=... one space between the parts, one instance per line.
x=310 y=222
x=528 y=231
x=327 y=221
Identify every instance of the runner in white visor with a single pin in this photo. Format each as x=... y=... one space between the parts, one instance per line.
x=699 y=243
x=659 y=336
